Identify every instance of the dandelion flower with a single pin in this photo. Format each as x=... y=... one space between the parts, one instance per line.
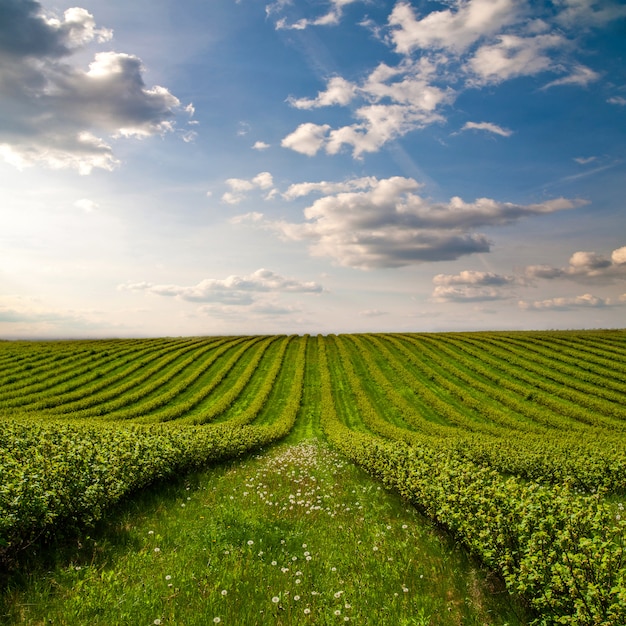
x=217 y=620
x=275 y=599
x=250 y=542
x=307 y=611
x=224 y=592
x=296 y=598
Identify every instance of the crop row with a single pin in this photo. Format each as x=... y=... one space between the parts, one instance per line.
x=560 y=550
x=55 y=473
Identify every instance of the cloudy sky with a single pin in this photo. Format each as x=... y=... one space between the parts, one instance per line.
x=292 y=166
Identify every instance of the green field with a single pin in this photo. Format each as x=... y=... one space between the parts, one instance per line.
x=509 y=444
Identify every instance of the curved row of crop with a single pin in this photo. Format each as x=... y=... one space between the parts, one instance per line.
x=193 y=384
x=562 y=551
x=591 y=349
x=472 y=391
x=257 y=396
x=155 y=385
x=30 y=386
x=83 y=382
x=536 y=373
x=62 y=475
x=570 y=364
x=534 y=404
x=587 y=464
x=462 y=406
x=231 y=384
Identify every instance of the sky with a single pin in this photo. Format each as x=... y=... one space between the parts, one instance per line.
x=311 y=166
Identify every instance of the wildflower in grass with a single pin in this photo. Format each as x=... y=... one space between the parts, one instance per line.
x=274 y=563
x=296 y=598
x=337 y=612
x=224 y=592
x=250 y=542
x=275 y=599
x=157 y=550
x=298 y=581
x=217 y=620
x=168 y=577
x=157 y=622
x=307 y=611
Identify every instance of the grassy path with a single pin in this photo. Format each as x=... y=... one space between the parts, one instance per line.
x=293 y=536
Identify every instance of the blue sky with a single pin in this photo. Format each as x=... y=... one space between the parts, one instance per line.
x=294 y=166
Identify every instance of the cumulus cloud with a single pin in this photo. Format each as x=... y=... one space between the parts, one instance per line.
x=233 y=291
x=307 y=138
x=240 y=186
x=469 y=44
x=260 y=145
x=386 y=223
x=566 y=303
x=513 y=56
x=331 y=18
x=339 y=91
x=472 y=286
x=299 y=190
x=396 y=100
x=617 y=100
x=51 y=110
x=585 y=267
x=488 y=127
x=453 y=29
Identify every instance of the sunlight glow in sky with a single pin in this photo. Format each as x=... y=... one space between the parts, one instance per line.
x=293 y=166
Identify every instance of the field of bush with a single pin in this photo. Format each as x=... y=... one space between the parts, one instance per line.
x=514 y=442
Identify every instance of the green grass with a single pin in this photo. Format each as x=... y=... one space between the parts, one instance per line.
x=293 y=536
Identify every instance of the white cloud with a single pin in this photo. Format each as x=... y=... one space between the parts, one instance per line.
x=513 y=56
x=580 y=76
x=397 y=100
x=452 y=29
x=247 y=218
x=52 y=109
x=385 y=223
x=585 y=160
x=585 y=267
x=585 y=13
x=307 y=138
x=472 y=286
x=339 y=91
x=86 y=205
x=489 y=127
x=469 y=44
x=240 y=186
x=260 y=145
x=565 y=303
x=232 y=291
x=299 y=190
x=331 y=18
x=617 y=100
